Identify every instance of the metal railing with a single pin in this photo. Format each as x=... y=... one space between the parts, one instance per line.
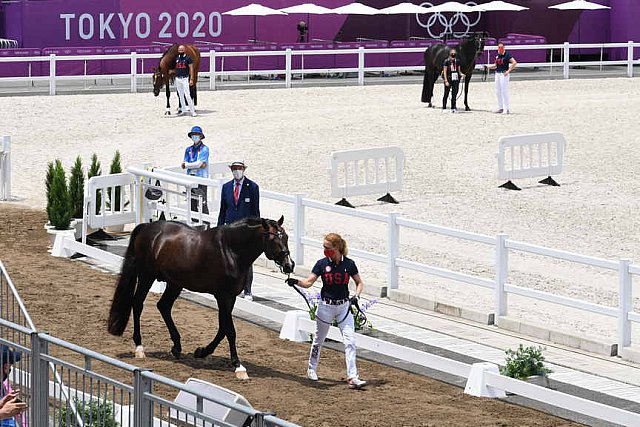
x=133 y=75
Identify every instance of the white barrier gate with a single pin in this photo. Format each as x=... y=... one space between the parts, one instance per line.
x=530 y=155
x=366 y=171
x=5 y=168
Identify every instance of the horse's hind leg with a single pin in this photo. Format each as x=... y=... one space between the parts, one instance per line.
x=165 y=304
x=144 y=284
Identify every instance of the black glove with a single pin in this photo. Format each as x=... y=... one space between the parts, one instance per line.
x=291 y=281
x=354 y=300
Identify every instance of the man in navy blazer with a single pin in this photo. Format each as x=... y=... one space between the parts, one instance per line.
x=240 y=198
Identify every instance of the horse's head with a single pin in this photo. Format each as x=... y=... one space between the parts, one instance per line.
x=158 y=80
x=276 y=244
x=479 y=38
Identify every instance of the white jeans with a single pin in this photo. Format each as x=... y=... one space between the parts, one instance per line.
x=502 y=91
x=329 y=313
x=182 y=84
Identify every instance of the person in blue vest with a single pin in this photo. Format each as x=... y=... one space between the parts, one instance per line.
x=240 y=198
x=336 y=270
x=10 y=404
x=196 y=163
x=504 y=64
x=184 y=80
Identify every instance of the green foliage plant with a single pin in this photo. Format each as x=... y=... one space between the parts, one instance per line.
x=116 y=167
x=524 y=362
x=93 y=413
x=60 y=209
x=76 y=188
x=47 y=182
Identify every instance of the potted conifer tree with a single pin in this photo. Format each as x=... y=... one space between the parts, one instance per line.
x=114 y=200
x=76 y=194
x=60 y=209
x=47 y=182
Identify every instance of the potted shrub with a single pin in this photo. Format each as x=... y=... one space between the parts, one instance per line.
x=60 y=209
x=76 y=194
x=47 y=182
x=94 y=413
x=526 y=363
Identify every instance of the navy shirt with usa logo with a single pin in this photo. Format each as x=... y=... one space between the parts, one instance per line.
x=335 y=277
x=502 y=62
x=182 y=65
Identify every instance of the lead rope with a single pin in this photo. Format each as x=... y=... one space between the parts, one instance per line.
x=317 y=317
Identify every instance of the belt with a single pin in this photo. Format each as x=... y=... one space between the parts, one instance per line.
x=335 y=301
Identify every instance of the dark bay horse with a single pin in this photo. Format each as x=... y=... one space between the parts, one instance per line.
x=215 y=261
x=165 y=72
x=434 y=57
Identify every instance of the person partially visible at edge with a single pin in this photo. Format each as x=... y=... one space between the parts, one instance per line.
x=504 y=64
x=184 y=80
x=196 y=163
x=336 y=270
x=452 y=75
x=239 y=199
x=11 y=407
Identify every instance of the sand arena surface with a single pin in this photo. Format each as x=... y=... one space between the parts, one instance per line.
x=286 y=136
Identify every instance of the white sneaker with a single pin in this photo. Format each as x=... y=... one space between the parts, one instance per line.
x=311 y=374
x=356 y=383
x=194 y=114
x=248 y=297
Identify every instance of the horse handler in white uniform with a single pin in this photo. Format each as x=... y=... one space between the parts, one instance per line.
x=184 y=79
x=336 y=270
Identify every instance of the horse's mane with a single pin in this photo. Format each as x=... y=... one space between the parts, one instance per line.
x=249 y=222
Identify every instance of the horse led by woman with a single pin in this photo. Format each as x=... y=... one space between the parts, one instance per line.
x=434 y=58
x=215 y=261
x=165 y=73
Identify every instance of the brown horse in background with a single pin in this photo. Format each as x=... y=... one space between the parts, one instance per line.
x=165 y=73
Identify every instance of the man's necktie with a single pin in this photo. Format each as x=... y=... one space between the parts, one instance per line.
x=236 y=193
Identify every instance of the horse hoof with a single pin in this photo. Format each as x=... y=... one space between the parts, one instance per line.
x=199 y=353
x=176 y=353
x=241 y=373
x=167 y=113
x=139 y=352
x=467 y=109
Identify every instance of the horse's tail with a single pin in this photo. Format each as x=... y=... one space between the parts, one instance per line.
x=123 y=297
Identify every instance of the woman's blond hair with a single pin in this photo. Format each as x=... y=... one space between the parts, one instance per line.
x=337 y=242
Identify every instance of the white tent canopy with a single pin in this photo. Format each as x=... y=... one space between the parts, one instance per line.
x=307 y=8
x=253 y=9
x=405 y=8
x=356 y=9
x=452 y=6
x=579 y=5
x=499 y=6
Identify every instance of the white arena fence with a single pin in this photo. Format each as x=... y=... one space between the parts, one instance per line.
x=530 y=155
x=390 y=257
x=72 y=389
x=134 y=75
x=5 y=168
x=366 y=171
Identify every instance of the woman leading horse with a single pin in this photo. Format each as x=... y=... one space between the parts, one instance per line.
x=435 y=56
x=214 y=261
x=165 y=73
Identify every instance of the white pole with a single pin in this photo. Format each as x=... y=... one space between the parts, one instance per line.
x=52 y=74
x=287 y=68
x=565 y=67
x=298 y=227
x=502 y=274
x=393 y=250
x=360 y=66
x=212 y=70
x=630 y=58
x=134 y=70
x=625 y=304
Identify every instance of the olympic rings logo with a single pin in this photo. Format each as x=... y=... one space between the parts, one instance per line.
x=437 y=21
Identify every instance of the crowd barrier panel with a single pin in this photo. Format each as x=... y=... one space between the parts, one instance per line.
x=5 y=168
x=26 y=68
x=365 y=172
x=530 y=155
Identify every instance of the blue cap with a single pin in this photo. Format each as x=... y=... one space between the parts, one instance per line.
x=9 y=356
x=196 y=130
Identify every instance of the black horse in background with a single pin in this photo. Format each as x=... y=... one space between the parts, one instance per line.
x=434 y=57
x=214 y=261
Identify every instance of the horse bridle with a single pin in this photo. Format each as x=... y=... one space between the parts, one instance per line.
x=284 y=254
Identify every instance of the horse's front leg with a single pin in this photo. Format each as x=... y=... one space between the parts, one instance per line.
x=164 y=305
x=467 y=79
x=167 y=111
x=138 y=304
